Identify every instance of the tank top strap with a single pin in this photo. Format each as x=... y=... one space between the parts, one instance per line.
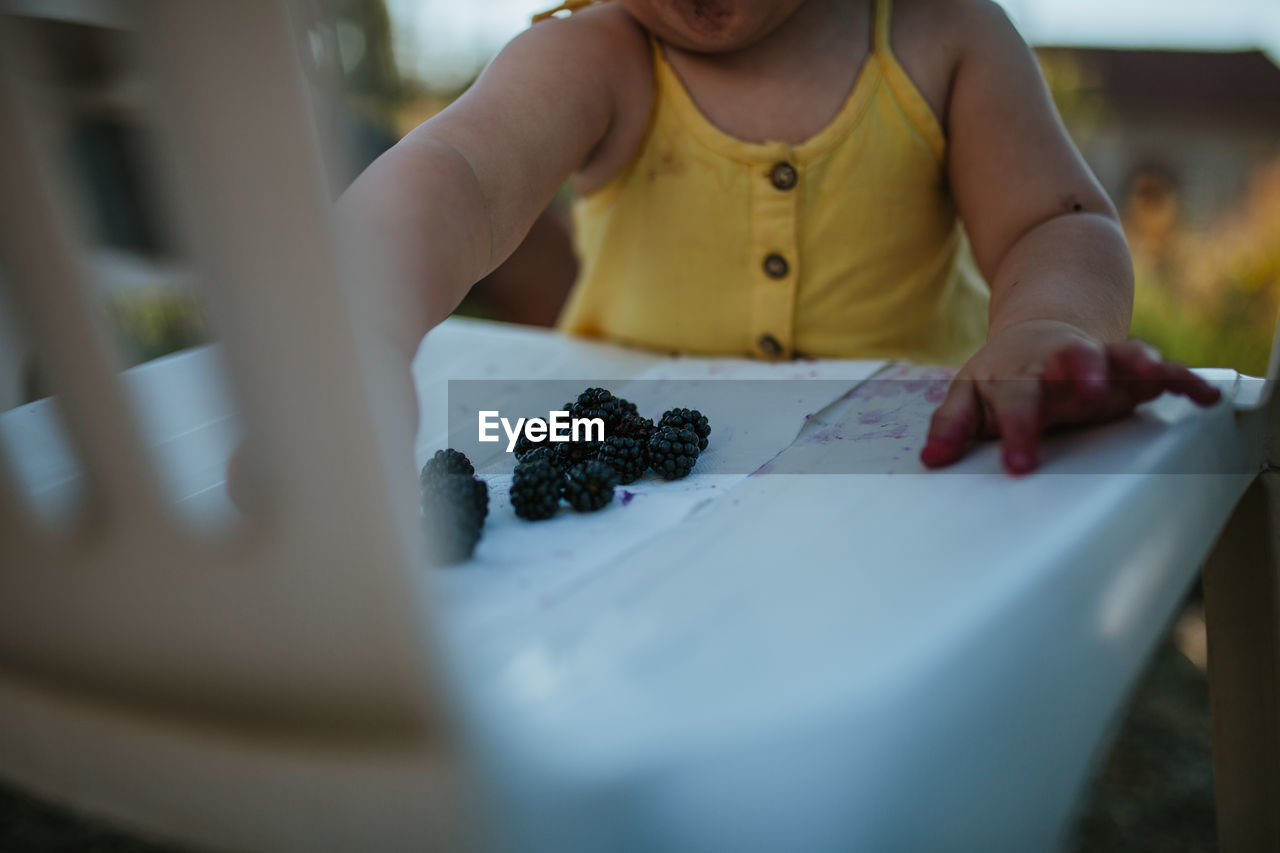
x=908 y=96
x=881 y=15
x=569 y=6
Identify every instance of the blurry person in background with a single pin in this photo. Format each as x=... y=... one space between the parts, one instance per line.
x=1151 y=216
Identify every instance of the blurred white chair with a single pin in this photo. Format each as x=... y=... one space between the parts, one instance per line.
x=264 y=685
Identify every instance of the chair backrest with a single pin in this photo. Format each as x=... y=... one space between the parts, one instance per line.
x=304 y=612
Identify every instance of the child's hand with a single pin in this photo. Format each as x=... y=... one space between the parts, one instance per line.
x=1037 y=375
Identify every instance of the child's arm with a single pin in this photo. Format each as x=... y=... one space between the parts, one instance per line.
x=1049 y=243
x=455 y=197
x=449 y=202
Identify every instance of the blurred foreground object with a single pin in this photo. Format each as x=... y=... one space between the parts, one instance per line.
x=176 y=674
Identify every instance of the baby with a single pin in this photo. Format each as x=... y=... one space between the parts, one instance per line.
x=784 y=178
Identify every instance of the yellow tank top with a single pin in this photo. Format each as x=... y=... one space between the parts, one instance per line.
x=846 y=245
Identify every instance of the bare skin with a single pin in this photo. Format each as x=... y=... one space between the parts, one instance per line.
x=569 y=99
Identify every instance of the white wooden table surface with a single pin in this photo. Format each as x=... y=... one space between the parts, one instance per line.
x=886 y=660
x=875 y=661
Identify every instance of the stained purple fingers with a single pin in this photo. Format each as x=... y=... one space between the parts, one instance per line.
x=1017 y=404
x=953 y=427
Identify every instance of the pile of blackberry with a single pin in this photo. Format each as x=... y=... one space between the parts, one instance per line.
x=591 y=403
x=455 y=503
x=582 y=473
x=539 y=484
x=585 y=473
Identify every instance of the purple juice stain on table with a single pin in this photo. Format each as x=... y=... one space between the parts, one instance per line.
x=937 y=391
x=878 y=388
x=871 y=417
x=626 y=496
x=886 y=431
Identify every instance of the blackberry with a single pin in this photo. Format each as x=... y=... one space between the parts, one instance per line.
x=444 y=462
x=589 y=486
x=570 y=453
x=535 y=490
x=672 y=452
x=598 y=403
x=690 y=419
x=632 y=425
x=544 y=453
x=626 y=456
x=454 y=507
x=524 y=445
x=464 y=491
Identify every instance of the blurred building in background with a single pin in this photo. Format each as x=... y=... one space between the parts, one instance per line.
x=1200 y=119
x=101 y=131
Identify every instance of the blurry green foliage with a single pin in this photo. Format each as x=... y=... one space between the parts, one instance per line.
x=150 y=323
x=145 y=323
x=1077 y=92
x=1236 y=334
x=1211 y=296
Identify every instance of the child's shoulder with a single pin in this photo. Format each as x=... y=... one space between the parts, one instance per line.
x=933 y=38
x=949 y=23
x=605 y=42
x=600 y=32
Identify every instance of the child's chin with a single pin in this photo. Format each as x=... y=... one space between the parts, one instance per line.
x=704 y=26
x=704 y=17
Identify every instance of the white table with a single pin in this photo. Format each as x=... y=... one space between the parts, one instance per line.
x=888 y=660
x=885 y=660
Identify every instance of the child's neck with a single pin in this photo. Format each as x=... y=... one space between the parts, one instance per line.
x=791 y=83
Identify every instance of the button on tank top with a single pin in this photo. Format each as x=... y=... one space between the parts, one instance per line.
x=847 y=245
